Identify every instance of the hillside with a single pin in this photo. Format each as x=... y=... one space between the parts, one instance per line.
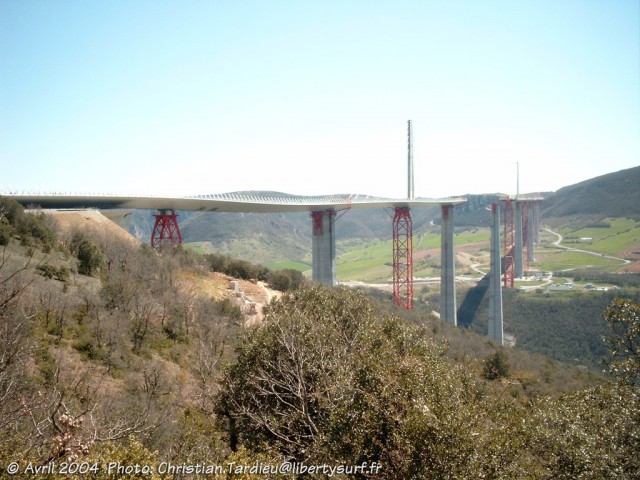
x=270 y=237
x=612 y=195
x=117 y=353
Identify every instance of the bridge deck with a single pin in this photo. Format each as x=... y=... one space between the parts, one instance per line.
x=228 y=202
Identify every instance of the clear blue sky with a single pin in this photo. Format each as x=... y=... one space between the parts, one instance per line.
x=311 y=97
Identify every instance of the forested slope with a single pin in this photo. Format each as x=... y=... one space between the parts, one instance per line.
x=113 y=352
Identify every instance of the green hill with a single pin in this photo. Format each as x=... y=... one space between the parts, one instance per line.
x=114 y=353
x=612 y=195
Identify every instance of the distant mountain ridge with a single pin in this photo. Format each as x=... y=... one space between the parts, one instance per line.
x=272 y=237
x=615 y=194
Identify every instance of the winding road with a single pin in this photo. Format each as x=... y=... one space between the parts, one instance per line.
x=572 y=249
x=549 y=275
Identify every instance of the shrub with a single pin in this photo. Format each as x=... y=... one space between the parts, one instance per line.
x=325 y=379
x=89 y=256
x=6 y=232
x=285 y=280
x=496 y=366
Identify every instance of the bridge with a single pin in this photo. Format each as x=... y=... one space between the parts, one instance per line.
x=245 y=202
x=521 y=227
x=323 y=211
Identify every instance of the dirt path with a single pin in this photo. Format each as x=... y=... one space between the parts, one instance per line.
x=269 y=293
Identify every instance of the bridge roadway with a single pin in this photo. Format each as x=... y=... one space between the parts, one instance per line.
x=323 y=215
x=225 y=202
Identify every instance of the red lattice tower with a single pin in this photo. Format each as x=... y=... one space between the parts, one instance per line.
x=508 y=261
x=316 y=218
x=165 y=229
x=402 y=258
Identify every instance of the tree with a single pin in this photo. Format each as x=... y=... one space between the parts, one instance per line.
x=325 y=379
x=623 y=318
x=496 y=366
x=287 y=279
x=595 y=433
x=589 y=434
x=89 y=256
x=141 y=314
x=15 y=345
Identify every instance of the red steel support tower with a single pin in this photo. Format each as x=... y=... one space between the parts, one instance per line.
x=165 y=229
x=316 y=218
x=402 y=258
x=508 y=266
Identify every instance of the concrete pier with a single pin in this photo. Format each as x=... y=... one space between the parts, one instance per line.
x=495 y=331
x=531 y=232
x=447 y=268
x=518 y=267
x=536 y=222
x=324 y=247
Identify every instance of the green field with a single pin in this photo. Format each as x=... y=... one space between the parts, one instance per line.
x=553 y=259
x=199 y=247
x=556 y=260
x=432 y=240
x=371 y=261
x=368 y=262
x=621 y=234
x=614 y=236
x=289 y=265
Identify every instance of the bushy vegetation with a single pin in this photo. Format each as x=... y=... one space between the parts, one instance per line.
x=283 y=280
x=565 y=326
x=627 y=280
x=30 y=229
x=236 y=268
x=496 y=366
x=326 y=379
x=131 y=363
x=88 y=334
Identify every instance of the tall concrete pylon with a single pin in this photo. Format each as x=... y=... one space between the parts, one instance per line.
x=495 y=331
x=518 y=257
x=536 y=222
x=448 y=311
x=531 y=234
x=324 y=247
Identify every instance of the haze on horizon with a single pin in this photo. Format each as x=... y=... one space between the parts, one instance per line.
x=313 y=98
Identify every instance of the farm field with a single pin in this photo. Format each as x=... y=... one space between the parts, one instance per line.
x=613 y=237
x=289 y=265
x=368 y=262
x=549 y=259
x=372 y=261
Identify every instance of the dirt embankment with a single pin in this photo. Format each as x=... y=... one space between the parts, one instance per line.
x=71 y=220
x=249 y=296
